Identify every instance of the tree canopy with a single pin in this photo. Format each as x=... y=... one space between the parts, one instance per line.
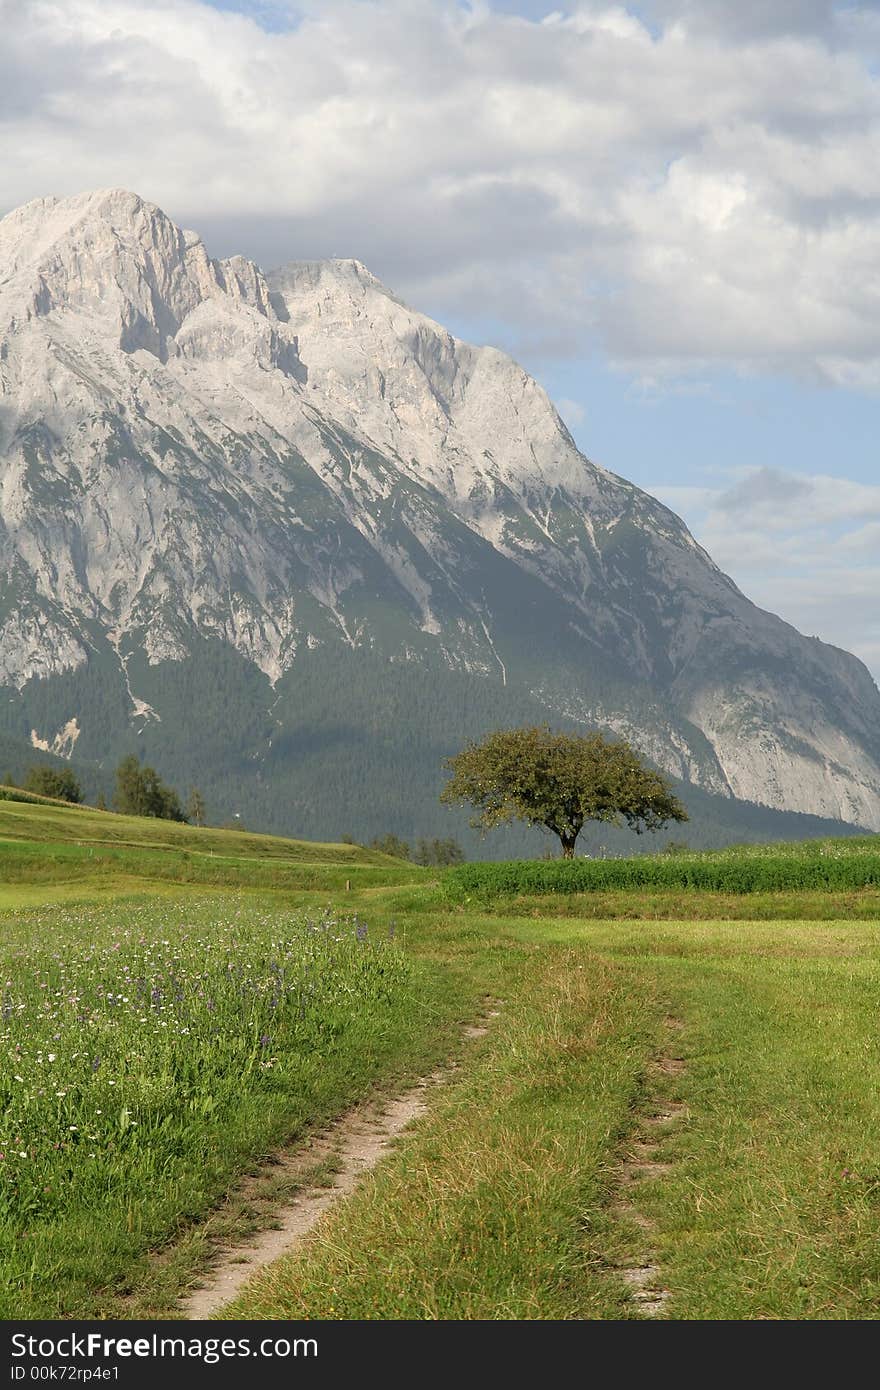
x=559 y=781
x=141 y=792
x=438 y=853
x=391 y=844
x=59 y=782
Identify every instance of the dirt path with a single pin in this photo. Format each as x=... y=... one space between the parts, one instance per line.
x=351 y=1147
x=659 y=1114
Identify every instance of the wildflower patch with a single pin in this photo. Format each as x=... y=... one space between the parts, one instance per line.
x=130 y=1066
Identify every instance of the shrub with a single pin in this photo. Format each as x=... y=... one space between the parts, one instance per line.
x=58 y=782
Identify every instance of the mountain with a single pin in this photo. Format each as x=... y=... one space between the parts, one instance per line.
x=293 y=540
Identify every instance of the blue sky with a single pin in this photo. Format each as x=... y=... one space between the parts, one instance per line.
x=668 y=211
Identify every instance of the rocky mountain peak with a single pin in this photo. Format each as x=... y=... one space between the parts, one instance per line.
x=195 y=455
x=120 y=264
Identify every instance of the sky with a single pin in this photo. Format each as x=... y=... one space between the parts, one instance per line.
x=668 y=211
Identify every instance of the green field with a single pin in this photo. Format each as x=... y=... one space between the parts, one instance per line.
x=75 y=847
x=674 y=1112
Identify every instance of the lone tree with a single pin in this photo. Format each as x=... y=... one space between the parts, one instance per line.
x=559 y=781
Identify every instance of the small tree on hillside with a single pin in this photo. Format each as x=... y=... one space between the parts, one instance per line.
x=53 y=781
x=559 y=781
x=129 y=799
x=141 y=792
x=195 y=807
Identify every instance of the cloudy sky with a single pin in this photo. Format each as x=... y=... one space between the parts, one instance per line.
x=669 y=211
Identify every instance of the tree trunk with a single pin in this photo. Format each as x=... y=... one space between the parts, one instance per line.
x=568 y=846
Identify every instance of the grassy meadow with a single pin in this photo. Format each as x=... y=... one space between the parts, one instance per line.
x=679 y=1087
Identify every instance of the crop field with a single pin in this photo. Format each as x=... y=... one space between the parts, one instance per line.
x=664 y=1112
x=810 y=864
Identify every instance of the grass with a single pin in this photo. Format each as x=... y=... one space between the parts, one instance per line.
x=40 y=820
x=503 y=1204
x=485 y=1213
x=49 y=842
x=684 y=904
x=506 y=1201
x=151 y=1052
x=772 y=1205
x=25 y=863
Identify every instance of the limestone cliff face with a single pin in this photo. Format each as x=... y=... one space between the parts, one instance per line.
x=190 y=448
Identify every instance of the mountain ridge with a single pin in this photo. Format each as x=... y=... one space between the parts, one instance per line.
x=194 y=451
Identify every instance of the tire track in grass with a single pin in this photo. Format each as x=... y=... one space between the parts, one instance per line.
x=642 y=1164
x=346 y=1151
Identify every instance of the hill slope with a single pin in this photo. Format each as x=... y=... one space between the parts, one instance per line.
x=45 y=842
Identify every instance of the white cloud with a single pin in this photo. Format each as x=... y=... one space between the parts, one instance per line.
x=704 y=190
x=778 y=500
x=805 y=547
